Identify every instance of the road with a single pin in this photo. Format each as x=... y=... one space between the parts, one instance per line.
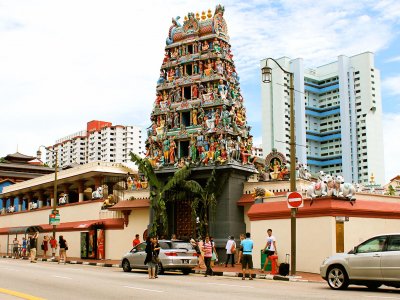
x=45 y=280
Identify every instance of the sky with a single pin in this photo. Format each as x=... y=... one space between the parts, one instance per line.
x=64 y=63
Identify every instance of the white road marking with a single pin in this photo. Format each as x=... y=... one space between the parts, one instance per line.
x=63 y=277
x=379 y=297
x=10 y=269
x=235 y=285
x=142 y=289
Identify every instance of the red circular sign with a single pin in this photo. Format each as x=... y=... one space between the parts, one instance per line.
x=294 y=199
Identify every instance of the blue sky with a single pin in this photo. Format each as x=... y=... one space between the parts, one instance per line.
x=64 y=63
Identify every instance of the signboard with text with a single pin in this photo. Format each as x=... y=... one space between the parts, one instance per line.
x=54 y=218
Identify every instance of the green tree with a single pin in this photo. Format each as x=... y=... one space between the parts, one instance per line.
x=2 y=160
x=159 y=192
x=391 y=191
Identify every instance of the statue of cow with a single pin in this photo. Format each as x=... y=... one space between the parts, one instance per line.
x=98 y=193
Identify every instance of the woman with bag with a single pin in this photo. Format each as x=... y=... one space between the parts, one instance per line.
x=214 y=257
x=208 y=252
x=150 y=260
x=63 y=248
x=45 y=246
x=156 y=252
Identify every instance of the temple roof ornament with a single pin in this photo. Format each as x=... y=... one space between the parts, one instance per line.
x=198 y=116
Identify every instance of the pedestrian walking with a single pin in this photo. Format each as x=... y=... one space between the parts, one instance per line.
x=63 y=249
x=247 y=259
x=156 y=253
x=270 y=248
x=32 y=246
x=214 y=258
x=24 y=245
x=150 y=261
x=15 y=248
x=45 y=246
x=136 y=241
x=208 y=251
x=53 y=245
x=230 y=251
x=240 y=254
x=202 y=263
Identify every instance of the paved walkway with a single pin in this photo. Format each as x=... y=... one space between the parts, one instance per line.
x=219 y=270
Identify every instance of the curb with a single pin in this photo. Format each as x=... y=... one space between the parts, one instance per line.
x=199 y=272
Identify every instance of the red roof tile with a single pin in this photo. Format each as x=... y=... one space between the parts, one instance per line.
x=326 y=207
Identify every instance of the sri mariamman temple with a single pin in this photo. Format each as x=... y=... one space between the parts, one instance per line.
x=198 y=116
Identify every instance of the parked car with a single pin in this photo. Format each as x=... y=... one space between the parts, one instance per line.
x=372 y=263
x=174 y=255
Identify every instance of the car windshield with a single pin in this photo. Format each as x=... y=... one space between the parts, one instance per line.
x=176 y=245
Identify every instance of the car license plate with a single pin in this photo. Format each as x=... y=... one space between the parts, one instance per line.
x=185 y=261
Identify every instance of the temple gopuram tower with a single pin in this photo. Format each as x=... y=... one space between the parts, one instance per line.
x=199 y=118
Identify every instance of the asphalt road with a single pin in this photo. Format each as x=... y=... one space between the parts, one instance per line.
x=45 y=280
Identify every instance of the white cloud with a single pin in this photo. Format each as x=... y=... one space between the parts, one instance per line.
x=391 y=85
x=393 y=59
x=64 y=63
x=391 y=125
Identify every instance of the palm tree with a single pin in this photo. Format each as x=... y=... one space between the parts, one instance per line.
x=204 y=203
x=159 y=191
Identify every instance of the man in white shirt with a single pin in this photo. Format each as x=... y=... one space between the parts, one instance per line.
x=230 y=251
x=270 y=247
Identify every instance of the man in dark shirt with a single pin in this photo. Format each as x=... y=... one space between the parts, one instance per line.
x=33 y=244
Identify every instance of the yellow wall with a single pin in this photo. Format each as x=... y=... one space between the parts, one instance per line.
x=118 y=242
x=315 y=240
x=358 y=230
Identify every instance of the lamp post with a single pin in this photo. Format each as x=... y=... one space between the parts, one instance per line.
x=266 y=73
x=54 y=207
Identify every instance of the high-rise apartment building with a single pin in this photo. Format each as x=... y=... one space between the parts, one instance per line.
x=101 y=141
x=338 y=115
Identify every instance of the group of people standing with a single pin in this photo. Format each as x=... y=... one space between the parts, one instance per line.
x=30 y=246
x=208 y=255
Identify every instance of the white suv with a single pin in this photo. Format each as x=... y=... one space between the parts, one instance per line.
x=372 y=263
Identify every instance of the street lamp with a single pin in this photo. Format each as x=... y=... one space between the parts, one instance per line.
x=54 y=208
x=266 y=73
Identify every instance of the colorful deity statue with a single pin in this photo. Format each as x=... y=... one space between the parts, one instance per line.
x=222 y=90
x=219 y=68
x=166 y=150
x=172 y=147
x=198 y=87
x=216 y=46
x=195 y=91
x=194 y=116
x=192 y=149
x=205 y=47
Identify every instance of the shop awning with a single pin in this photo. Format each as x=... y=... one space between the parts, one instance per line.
x=67 y=226
x=23 y=229
x=131 y=204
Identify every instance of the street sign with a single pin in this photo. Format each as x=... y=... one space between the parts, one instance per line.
x=294 y=200
x=54 y=218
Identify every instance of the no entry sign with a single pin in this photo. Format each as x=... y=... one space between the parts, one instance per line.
x=294 y=200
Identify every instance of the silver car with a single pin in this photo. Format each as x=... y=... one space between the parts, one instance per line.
x=174 y=255
x=372 y=263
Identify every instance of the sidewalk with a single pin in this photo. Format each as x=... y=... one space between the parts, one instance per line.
x=219 y=270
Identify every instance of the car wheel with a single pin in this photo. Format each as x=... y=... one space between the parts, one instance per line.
x=186 y=271
x=160 y=269
x=337 y=278
x=373 y=285
x=126 y=266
